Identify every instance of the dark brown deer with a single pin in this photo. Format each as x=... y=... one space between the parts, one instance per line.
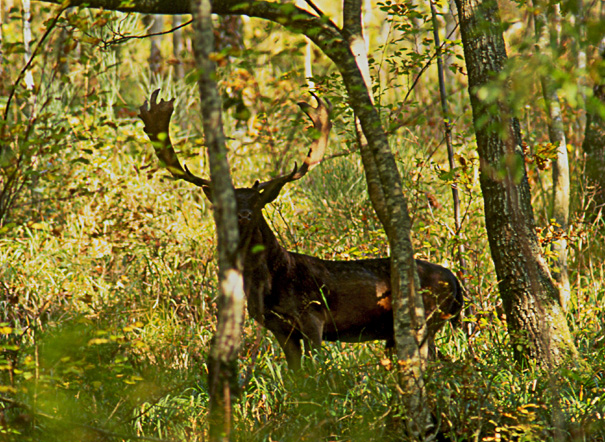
x=300 y=298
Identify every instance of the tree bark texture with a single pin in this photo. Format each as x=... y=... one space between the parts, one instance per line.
x=536 y=323
x=222 y=360
x=410 y=330
x=560 y=164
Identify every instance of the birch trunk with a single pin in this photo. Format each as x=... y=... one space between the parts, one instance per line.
x=560 y=165
x=27 y=38
x=222 y=360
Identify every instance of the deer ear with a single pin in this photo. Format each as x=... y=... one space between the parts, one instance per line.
x=269 y=194
x=208 y=192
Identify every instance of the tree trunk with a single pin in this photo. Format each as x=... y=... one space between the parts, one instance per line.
x=177 y=47
x=27 y=38
x=222 y=360
x=155 y=25
x=594 y=140
x=536 y=323
x=408 y=305
x=308 y=57
x=448 y=134
x=560 y=165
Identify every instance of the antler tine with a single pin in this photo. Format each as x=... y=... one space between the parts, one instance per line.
x=320 y=116
x=156 y=117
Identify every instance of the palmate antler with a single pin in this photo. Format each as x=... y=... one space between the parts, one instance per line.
x=320 y=116
x=156 y=117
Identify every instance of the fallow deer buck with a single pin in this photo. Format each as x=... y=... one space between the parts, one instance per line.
x=300 y=298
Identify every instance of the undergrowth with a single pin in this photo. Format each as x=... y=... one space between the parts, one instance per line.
x=107 y=275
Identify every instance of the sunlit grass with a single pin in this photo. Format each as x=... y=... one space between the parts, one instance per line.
x=108 y=281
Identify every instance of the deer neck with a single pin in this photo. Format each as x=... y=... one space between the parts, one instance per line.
x=272 y=248
x=270 y=251
x=261 y=265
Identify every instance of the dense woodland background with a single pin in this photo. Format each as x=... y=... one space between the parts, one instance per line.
x=107 y=266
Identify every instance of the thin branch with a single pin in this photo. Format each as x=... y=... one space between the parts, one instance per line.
x=140 y=37
x=427 y=64
x=315 y=8
x=31 y=59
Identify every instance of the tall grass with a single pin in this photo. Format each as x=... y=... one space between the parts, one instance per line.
x=107 y=275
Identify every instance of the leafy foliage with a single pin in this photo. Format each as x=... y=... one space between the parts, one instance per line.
x=107 y=269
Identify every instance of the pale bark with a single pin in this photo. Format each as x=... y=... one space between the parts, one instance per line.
x=560 y=164
x=536 y=323
x=27 y=38
x=222 y=361
x=308 y=55
x=309 y=64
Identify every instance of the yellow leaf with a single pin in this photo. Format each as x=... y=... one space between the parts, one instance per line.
x=7 y=389
x=97 y=341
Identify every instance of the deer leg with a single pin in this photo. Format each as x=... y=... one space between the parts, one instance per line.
x=290 y=344
x=312 y=331
x=289 y=340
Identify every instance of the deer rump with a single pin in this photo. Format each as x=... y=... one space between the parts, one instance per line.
x=304 y=299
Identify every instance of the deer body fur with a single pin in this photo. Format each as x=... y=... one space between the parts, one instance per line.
x=304 y=299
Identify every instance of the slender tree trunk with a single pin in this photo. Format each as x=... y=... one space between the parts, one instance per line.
x=1 y=41
x=448 y=133
x=594 y=140
x=410 y=328
x=560 y=165
x=450 y=33
x=177 y=47
x=222 y=360
x=536 y=323
x=578 y=48
x=309 y=64
x=155 y=24
x=27 y=38
x=308 y=56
